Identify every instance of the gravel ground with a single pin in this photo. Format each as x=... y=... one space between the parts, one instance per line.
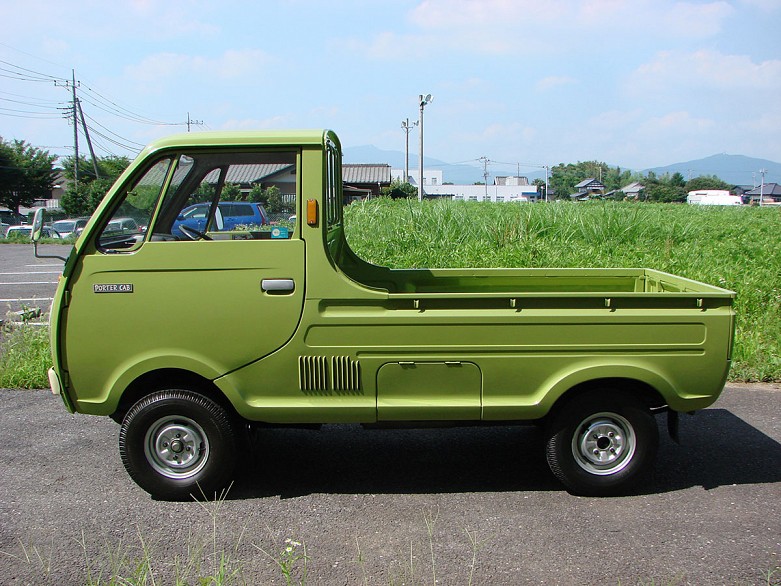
x=395 y=507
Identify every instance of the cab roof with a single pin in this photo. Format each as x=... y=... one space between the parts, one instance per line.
x=244 y=138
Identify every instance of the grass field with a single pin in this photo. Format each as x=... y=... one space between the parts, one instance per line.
x=736 y=248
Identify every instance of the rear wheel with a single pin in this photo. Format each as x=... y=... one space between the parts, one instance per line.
x=602 y=443
x=177 y=444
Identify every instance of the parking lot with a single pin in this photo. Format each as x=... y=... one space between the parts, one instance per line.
x=26 y=281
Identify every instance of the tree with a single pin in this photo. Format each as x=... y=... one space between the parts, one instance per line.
x=108 y=168
x=699 y=183
x=399 y=189
x=230 y=192
x=26 y=174
x=75 y=201
x=275 y=202
x=82 y=200
x=664 y=192
x=677 y=180
x=258 y=195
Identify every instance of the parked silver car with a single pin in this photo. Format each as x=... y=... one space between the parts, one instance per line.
x=70 y=227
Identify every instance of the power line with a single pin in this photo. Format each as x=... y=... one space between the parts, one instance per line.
x=137 y=144
x=103 y=103
x=27 y=100
x=27 y=74
x=28 y=114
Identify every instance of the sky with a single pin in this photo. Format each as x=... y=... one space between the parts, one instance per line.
x=634 y=83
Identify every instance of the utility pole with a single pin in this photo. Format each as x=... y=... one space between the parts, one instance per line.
x=405 y=126
x=89 y=142
x=192 y=122
x=485 y=161
x=75 y=131
x=424 y=101
x=762 y=187
x=74 y=111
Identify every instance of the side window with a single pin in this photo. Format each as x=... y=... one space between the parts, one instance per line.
x=230 y=196
x=128 y=225
x=333 y=198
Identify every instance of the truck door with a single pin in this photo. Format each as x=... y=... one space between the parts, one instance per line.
x=207 y=301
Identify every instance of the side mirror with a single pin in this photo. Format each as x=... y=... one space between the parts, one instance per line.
x=37 y=231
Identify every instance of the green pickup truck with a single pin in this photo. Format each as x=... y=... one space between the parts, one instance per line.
x=189 y=337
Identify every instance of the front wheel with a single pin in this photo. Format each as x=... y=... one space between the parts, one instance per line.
x=601 y=443
x=177 y=444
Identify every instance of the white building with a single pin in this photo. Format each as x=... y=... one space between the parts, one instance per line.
x=494 y=193
x=430 y=176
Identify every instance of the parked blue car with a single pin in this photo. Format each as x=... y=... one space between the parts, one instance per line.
x=232 y=214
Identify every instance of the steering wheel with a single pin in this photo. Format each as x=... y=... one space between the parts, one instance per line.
x=192 y=233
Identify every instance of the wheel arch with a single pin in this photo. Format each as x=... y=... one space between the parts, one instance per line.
x=649 y=396
x=156 y=380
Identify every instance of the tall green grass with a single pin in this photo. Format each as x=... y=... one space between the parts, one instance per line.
x=25 y=357
x=739 y=249
x=736 y=248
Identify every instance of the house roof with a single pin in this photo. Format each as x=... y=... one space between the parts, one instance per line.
x=633 y=187
x=366 y=173
x=246 y=174
x=767 y=189
x=590 y=182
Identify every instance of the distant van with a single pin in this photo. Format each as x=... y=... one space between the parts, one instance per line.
x=713 y=197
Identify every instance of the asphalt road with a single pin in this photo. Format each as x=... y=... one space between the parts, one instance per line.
x=26 y=281
x=365 y=502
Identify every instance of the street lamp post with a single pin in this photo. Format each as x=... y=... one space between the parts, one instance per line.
x=405 y=125
x=424 y=101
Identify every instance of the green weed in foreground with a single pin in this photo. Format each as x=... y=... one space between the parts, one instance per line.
x=735 y=248
x=202 y=561
x=25 y=357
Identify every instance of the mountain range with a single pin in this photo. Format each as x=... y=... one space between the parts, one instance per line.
x=732 y=169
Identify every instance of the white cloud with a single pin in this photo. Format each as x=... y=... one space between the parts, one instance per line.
x=696 y=19
x=506 y=27
x=706 y=70
x=437 y=14
x=679 y=122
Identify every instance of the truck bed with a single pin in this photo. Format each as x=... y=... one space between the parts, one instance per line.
x=544 y=282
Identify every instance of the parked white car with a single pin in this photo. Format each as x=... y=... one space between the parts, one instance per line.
x=24 y=231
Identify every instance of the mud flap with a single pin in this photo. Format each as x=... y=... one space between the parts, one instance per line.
x=673 y=421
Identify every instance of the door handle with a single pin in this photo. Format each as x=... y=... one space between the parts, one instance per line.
x=277 y=285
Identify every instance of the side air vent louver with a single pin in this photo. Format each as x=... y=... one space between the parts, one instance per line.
x=345 y=373
x=314 y=373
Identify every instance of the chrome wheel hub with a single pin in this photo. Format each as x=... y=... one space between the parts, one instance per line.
x=604 y=444
x=176 y=447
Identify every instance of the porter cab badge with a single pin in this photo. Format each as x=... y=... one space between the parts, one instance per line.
x=113 y=288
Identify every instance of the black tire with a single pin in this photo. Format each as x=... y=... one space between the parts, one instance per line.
x=177 y=444
x=602 y=443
